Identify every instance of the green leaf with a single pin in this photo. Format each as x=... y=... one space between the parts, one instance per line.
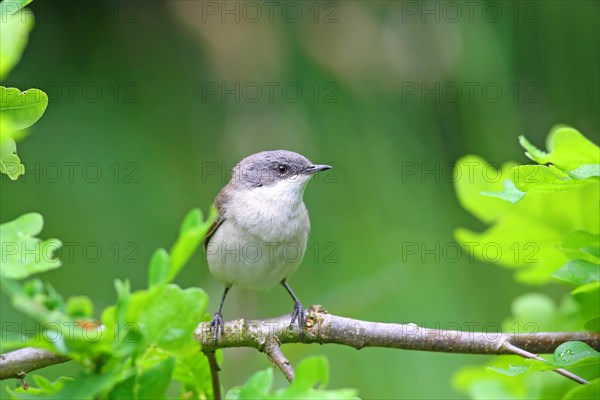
x=571 y=354
x=192 y=219
x=159 y=268
x=80 y=307
x=579 y=272
x=191 y=234
x=258 y=386
x=168 y=316
x=586 y=288
x=584 y=392
x=533 y=365
x=44 y=387
x=27 y=224
x=568 y=150
x=540 y=178
x=527 y=235
x=512 y=370
x=164 y=316
x=124 y=389
x=18 y=110
x=10 y=7
x=592 y=324
x=123 y=290
x=591 y=250
x=37 y=300
x=586 y=171
x=581 y=244
x=474 y=176
x=310 y=372
x=233 y=393
x=10 y=163
x=510 y=192
x=14 y=34
x=86 y=386
x=22 y=253
x=22 y=109
x=498 y=379
x=155 y=368
x=193 y=372
x=44 y=384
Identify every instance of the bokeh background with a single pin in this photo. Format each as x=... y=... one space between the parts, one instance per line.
x=153 y=102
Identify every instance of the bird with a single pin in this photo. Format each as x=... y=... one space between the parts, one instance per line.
x=259 y=236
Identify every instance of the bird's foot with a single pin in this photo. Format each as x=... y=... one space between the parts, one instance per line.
x=216 y=325
x=298 y=315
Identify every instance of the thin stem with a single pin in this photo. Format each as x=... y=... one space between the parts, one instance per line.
x=273 y=350
x=560 y=371
x=214 y=374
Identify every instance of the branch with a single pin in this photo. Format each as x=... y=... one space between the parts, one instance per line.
x=19 y=362
x=325 y=328
x=268 y=334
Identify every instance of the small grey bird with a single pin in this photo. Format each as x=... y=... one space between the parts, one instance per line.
x=259 y=237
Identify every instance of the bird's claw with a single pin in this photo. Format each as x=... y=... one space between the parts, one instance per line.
x=298 y=315
x=216 y=325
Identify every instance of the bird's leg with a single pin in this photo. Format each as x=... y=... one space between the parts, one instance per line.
x=298 y=309
x=216 y=323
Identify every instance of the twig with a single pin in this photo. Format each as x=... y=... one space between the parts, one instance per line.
x=214 y=374
x=273 y=350
x=560 y=371
x=15 y=363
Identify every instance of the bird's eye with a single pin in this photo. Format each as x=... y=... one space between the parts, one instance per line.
x=281 y=168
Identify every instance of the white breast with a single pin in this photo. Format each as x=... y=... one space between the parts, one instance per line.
x=272 y=213
x=263 y=238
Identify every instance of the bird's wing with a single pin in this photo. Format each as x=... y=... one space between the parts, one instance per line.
x=219 y=201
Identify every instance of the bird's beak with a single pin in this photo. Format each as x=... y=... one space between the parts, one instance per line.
x=313 y=169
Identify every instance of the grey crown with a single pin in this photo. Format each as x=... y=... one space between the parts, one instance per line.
x=269 y=167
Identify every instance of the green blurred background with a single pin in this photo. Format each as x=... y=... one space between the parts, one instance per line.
x=161 y=99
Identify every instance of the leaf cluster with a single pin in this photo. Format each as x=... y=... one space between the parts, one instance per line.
x=139 y=348
x=544 y=223
x=18 y=110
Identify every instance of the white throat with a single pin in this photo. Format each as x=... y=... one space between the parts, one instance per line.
x=273 y=213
